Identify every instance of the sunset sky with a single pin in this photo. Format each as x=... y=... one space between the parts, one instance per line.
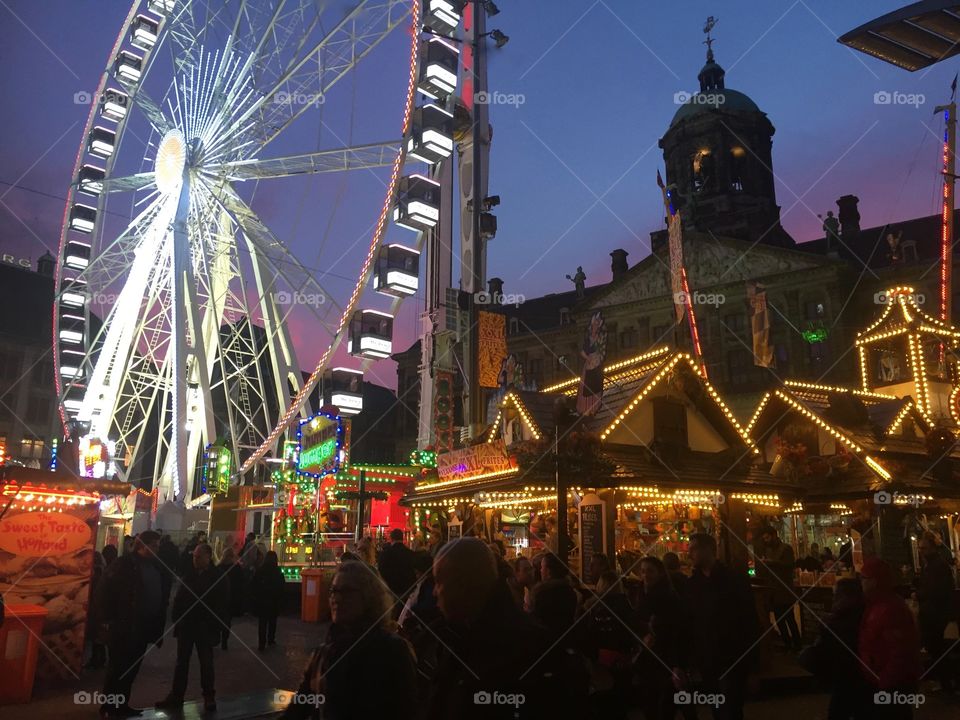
x=575 y=162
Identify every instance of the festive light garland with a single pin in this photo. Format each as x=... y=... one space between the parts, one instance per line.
x=656 y=352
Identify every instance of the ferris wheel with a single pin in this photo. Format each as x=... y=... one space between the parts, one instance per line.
x=172 y=327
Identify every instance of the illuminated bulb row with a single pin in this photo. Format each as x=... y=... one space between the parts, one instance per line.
x=804 y=411
x=438 y=503
x=756 y=413
x=467 y=480
x=883 y=336
x=495 y=427
x=796 y=507
x=830 y=388
x=649 y=386
x=901 y=416
x=878 y=468
x=609 y=368
x=920 y=376
x=519 y=501
x=954 y=409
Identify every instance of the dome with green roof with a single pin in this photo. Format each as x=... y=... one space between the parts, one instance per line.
x=713 y=95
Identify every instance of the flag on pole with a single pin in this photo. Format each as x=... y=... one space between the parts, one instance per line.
x=760 y=325
x=953 y=91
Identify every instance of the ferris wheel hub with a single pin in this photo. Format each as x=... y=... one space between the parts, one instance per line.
x=171 y=159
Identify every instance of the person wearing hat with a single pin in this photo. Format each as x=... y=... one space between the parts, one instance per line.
x=888 y=643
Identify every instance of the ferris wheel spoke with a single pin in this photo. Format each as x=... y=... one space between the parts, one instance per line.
x=265 y=245
x=150 y=108
x=324 y=161
x=315 y=73
x=126 y=183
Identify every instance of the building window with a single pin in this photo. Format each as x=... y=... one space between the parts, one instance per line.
x=661 y=334
x=628 y=338
x=38 y=409
x=9 y=364
x=739 y=364
x=738 y=161
x=669 y=422
x=534 y=371
x=31 y=449
x=565 y=316
x=514 y=326
x=736 y=322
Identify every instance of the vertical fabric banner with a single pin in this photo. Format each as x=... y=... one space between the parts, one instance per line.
x=492 y=348
x=760 y=326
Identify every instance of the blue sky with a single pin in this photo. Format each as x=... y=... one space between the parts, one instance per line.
x=574 y=163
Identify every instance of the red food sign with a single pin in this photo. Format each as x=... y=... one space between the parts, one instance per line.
x=43 y=533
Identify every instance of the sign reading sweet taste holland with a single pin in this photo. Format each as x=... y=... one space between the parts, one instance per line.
x=43 y=533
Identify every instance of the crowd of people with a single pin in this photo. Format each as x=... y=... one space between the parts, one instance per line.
x=459 y=631
x=131 y=600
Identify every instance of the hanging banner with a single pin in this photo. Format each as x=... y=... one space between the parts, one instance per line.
x=676 y=266
x=760 y=325
x=492 y=348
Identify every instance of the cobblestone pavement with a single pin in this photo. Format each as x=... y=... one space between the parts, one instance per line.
x=242 y=670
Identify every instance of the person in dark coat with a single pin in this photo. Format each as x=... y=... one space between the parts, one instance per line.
x=612 y=631
x=935 y=590
x=832 y=659
x=486 y=644
x=94 y=634
x=169 y=555
x=888 y=643
x=110 y=554
x=671 y=562
x=776 y=570
x=267 y=588
x=396 y=568
x=235 y=579
x=133 y=596
x=199 y=608
x=660 y=619
x=723 y=627
x=363 y=670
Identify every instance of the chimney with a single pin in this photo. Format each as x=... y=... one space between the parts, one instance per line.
x=46 y=264
x=849 y=217
x=619 y=263
x=495 y=287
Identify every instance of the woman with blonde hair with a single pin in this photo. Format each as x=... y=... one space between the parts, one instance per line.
x=361 y=643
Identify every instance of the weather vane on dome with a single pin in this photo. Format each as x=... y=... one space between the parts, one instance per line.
x=707 y=27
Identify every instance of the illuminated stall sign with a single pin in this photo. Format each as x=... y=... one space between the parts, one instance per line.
x=485 y=460
x=96 y=458
x=320 y=443
x=217 y=469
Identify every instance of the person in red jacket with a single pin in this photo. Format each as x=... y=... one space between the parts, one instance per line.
x=888 y=644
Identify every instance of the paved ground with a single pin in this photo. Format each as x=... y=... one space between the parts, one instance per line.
x=242 y=670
